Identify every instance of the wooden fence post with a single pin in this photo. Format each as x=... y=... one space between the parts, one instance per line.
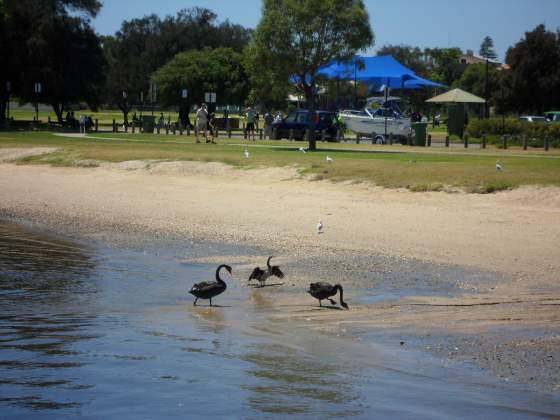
x=524 y=137
x=291 y=133
x=391 y=139
x=504 y=142
x=446 y=141
x=114 y=126
x=96 y=125
x=466 y=140
x=546 y=145
x=484 y=141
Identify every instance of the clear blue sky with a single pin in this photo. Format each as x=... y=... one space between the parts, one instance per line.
x=423 y=23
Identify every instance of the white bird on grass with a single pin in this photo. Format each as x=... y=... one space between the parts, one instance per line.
x=498 y=165
x=320 y=227
x=246 y=153
x=301 y=149
x=329 y=159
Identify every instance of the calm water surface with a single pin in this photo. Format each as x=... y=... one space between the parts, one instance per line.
x=98 y=332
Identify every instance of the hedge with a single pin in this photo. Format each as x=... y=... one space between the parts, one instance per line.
x=535 y=132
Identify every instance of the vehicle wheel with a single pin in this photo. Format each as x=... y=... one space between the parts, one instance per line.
x=379 y=139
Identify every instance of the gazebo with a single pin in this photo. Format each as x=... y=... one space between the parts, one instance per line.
x=456 y=98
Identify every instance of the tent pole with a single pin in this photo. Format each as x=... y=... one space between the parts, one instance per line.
x=355 y=83
x=385 y=105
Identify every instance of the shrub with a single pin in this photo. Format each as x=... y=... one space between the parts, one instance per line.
x=535 y=132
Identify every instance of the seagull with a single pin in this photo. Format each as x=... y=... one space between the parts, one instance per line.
x=498 y=165
x=329 y=159
x=320 y=227
x=301 y=149
x=246 y=153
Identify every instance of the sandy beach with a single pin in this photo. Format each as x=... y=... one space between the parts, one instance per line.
x=512 y=235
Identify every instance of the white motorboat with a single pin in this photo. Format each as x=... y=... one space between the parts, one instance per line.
x=378 y=123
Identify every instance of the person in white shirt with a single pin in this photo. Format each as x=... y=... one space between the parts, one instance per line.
x=202 y=122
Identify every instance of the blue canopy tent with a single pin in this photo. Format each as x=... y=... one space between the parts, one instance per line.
x=377 y=71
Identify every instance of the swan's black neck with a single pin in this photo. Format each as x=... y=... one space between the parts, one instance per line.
x=339 y=288
x=218 y=278
x=268 y=262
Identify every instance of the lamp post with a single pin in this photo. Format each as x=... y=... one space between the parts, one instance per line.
x=182 y=107
x=37 y=89
x=8 y=91
x=153 y=95
x=486 y=93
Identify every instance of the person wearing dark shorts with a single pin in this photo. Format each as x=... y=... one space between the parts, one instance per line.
x=250 y=128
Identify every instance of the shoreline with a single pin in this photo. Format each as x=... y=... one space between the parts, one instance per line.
x=192 y=201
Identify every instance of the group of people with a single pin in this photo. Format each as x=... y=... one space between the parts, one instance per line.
x=205 y=123
x=252 y=118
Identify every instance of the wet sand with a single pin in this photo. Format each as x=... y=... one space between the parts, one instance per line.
x=488 y=286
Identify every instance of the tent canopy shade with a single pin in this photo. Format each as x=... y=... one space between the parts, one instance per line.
x=457 y=96
x=375 y=71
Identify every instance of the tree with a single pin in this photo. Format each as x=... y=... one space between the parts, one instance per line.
x=262 y=88
x=296 y=37
x=473 y=80
x=217 y=70
x=143 y=45
x=447 y=66
x=54 y=44
x=487 y=49
x=533 y=83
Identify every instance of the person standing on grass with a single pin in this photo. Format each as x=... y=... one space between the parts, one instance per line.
x=268 y=120
x=82 y=124
x=250 y=128
x=211 y=128
x=201 y=122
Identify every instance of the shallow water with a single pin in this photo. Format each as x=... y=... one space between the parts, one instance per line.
x=111 y=333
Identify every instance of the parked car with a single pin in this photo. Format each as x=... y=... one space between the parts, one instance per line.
x=298 y=121
x=532 y=119
x=552 y=116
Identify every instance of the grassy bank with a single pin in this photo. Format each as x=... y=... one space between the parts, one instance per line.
x=419 y=169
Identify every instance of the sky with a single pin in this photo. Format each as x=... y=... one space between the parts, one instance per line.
x=422 y=23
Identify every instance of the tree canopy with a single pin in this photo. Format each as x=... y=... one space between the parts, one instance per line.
x=533 y=82
x=217 y=70
x=143 y=45
x=487 y=49
x=297 y=37
x=51 y=42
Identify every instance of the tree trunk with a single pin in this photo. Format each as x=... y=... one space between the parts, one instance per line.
x=58 y=110
x=3 y=108
x=310 y=98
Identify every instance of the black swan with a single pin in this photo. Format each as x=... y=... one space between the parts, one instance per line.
x=262 y=275
x=209 y=289
x=323 y=290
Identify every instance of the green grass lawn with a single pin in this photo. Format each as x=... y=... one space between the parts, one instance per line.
x=419 y=169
